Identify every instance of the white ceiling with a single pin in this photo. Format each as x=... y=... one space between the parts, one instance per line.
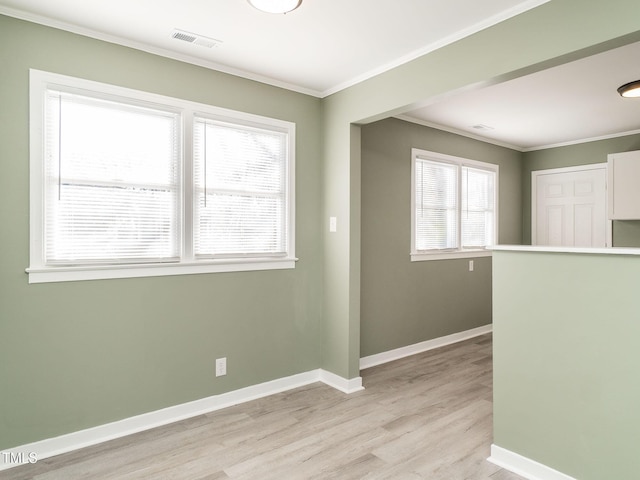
x=327 y=45
x=320 y=48
x=567 y=104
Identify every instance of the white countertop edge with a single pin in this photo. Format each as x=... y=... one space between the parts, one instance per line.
x=580 y=250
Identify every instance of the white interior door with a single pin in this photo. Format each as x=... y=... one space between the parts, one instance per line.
x=569 y=207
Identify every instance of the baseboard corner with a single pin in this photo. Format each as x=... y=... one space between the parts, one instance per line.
x=523 y=466
x=345 y=385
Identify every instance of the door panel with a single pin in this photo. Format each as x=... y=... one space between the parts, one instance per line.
x=584 y=229
x=555 y=221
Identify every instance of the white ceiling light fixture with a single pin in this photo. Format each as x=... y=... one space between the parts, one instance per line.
x=275 y=6
x=630 y=90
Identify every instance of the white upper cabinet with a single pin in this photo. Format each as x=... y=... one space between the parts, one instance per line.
x=624 y=185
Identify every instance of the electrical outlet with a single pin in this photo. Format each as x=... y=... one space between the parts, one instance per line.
x=471 y=265
x=221 y=366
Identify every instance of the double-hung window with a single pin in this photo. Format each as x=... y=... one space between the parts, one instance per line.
x=454 y=206
x=240 y=190
x=111 y=182
x=126 y=184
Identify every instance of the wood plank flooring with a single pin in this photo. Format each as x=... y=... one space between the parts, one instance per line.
x=428 y=416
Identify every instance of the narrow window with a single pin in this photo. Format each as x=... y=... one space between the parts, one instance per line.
x=437 y=205
x=478 y=207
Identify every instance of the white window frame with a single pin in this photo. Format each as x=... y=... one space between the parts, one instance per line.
x=187 y=264
x=458 y=252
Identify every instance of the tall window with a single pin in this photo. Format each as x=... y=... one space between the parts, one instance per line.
x=111 y=181
x=454 y=206
x=126 y=183
x=240 y=185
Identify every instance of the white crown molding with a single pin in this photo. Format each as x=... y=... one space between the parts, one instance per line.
x=73 y=28
x=523 y=466
x=489 y=22
x=584 y=140
x=517 y=148
x=145 y=47
x=91 y=436
x=462 y=133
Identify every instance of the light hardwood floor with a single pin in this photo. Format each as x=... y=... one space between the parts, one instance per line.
x=423 y=417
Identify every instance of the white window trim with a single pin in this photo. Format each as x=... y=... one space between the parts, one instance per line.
x=420 y=256
x=40 y=273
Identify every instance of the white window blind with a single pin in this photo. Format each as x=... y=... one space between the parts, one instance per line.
x=436 y=205
x=125 y=183
x=454 y=205
x=478 y=207
x=240 y=201
x=111 y=189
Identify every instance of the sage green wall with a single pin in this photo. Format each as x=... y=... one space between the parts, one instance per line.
x=404 y=302
x=154 y=352
x=553 y=33
x=566 y=348
x=625 y=233
x=78 y=354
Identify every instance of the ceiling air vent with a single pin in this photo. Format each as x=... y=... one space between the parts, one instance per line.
x=482 y=126
x=194 y=38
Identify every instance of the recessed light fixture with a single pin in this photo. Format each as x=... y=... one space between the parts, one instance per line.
x=275 y=6
x=630 y=90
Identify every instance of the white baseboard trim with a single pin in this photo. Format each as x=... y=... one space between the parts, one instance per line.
x=50 y=447
x=398 y=353
x=347 y=386
x=523 y=466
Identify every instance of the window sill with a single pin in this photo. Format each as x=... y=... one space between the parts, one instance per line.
x=421 y=257
x=99 y=272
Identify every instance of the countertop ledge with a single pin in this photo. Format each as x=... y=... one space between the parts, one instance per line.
x=579 y=250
